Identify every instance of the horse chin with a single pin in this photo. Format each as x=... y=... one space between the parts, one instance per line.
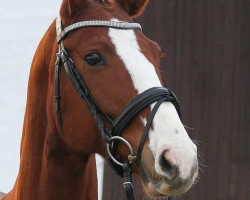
x=162 y=189
x=157 y=186
x=150 y=186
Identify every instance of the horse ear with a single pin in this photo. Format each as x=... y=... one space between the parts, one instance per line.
x=134 y=7
x=71 y=7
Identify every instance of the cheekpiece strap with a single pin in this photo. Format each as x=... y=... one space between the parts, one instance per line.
x=61 y=33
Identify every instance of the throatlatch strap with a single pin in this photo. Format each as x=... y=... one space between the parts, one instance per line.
x=128 y=187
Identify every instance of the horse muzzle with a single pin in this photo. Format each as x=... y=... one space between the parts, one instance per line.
x=173 y=173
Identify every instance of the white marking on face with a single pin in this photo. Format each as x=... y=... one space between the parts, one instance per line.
x=166 y=121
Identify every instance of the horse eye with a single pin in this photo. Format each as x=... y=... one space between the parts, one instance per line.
x=93 y=59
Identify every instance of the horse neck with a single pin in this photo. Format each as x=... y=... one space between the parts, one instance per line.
x=48 y=170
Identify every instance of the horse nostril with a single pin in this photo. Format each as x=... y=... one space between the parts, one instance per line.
x=168 y=166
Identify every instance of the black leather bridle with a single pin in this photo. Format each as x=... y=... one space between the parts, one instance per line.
x=111 y=133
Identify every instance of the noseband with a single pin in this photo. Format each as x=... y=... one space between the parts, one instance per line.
x=111 y=133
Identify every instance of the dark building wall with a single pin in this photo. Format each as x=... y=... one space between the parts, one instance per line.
x=207 y=65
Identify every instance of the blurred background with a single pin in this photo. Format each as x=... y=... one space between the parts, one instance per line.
x=207 y=64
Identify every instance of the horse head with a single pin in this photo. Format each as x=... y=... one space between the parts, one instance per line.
x=117 y=65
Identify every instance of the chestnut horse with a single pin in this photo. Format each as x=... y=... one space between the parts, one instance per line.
x=117 y=65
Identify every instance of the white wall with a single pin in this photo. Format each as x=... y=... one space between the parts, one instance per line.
x=22 y=25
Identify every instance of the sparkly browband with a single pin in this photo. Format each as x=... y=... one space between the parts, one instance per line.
x=92 y=23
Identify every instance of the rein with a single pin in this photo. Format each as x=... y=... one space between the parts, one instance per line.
x=112 y=133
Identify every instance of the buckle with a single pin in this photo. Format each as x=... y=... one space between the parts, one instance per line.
x=128 y=183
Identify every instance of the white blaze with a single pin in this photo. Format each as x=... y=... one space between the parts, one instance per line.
x=143 y=75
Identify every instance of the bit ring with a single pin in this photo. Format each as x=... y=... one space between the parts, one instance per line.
x=124 y=141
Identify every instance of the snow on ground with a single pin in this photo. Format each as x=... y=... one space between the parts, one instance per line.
x=22 y=25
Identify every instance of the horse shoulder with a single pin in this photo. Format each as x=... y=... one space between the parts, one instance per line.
x=2 y=195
